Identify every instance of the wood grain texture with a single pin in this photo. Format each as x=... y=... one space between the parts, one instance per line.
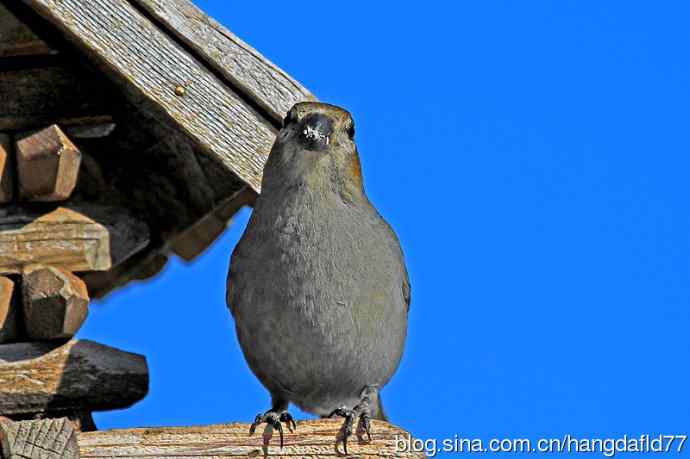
x=248 y=72
x=47 y=165
x=77 y=376
x=149 y=66
x=196 y=239
x=85 y=238
x=39 y=439
x=312 y=439
x=55 y=302
x=50 y=90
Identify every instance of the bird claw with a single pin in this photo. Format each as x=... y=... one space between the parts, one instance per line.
x=350 y=415
x=275 y=420
x=366 y=425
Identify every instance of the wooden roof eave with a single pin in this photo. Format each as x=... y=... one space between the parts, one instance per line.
x=171 y=60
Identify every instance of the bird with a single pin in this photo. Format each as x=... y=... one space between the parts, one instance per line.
x=317 y=284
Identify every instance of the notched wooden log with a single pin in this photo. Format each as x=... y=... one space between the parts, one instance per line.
x=76 y=376
x=195 y=240
x=9 y=310
x=315 y=438
x=44 y=439
x=6 y=169
x=75 y=238
x=47 y=165
x=55 y=302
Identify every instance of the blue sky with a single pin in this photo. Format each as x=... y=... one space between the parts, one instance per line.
x=533 y=159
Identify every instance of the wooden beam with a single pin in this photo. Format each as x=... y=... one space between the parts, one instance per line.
x=315 y=438
x=44 y=439
x=17 y=39
x=246 y=70
x=91 y=131
x=158 y=76
x=196 y=239
x=6 y=169
x=84 y=238
x=76 y=376
x=47 y=165
x=55 y=302
x=38 y=92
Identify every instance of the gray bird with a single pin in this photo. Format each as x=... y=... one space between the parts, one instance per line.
x=317 y=284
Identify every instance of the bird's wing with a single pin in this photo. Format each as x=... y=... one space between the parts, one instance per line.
x=394 y=244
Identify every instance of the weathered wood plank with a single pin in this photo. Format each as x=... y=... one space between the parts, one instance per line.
x=44 y=91
x=47 y=165
x=312 y=439
x=77 y=376
x=158 y=76
x=55 y=302
x=85 y=238
x=250 y=73
x=39 y=439
x=17 y=39
x=196 y=239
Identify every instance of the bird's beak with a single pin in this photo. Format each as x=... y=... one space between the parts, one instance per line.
x=316 y=131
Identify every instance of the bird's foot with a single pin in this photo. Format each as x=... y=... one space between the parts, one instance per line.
x=361 y=412
x=275 y=420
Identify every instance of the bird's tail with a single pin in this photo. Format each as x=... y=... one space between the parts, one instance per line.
x=381 y=415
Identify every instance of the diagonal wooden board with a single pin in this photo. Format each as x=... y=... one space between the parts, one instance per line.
x=158 y=75
x=250 y=73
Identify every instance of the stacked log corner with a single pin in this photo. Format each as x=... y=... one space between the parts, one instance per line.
x=47 y=165
x=55 y=302
x=53 y=225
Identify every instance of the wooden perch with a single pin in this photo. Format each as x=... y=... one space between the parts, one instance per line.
x=311 y=439
x=55 y=302
x=6 y=169
x=47 y=165
x=9 y=326
x=77 y=376
x=85 y=238
x=44 y=439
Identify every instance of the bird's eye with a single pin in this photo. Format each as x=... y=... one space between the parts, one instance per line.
x=351 y=130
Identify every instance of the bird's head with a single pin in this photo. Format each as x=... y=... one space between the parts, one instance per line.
x=315 y=147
